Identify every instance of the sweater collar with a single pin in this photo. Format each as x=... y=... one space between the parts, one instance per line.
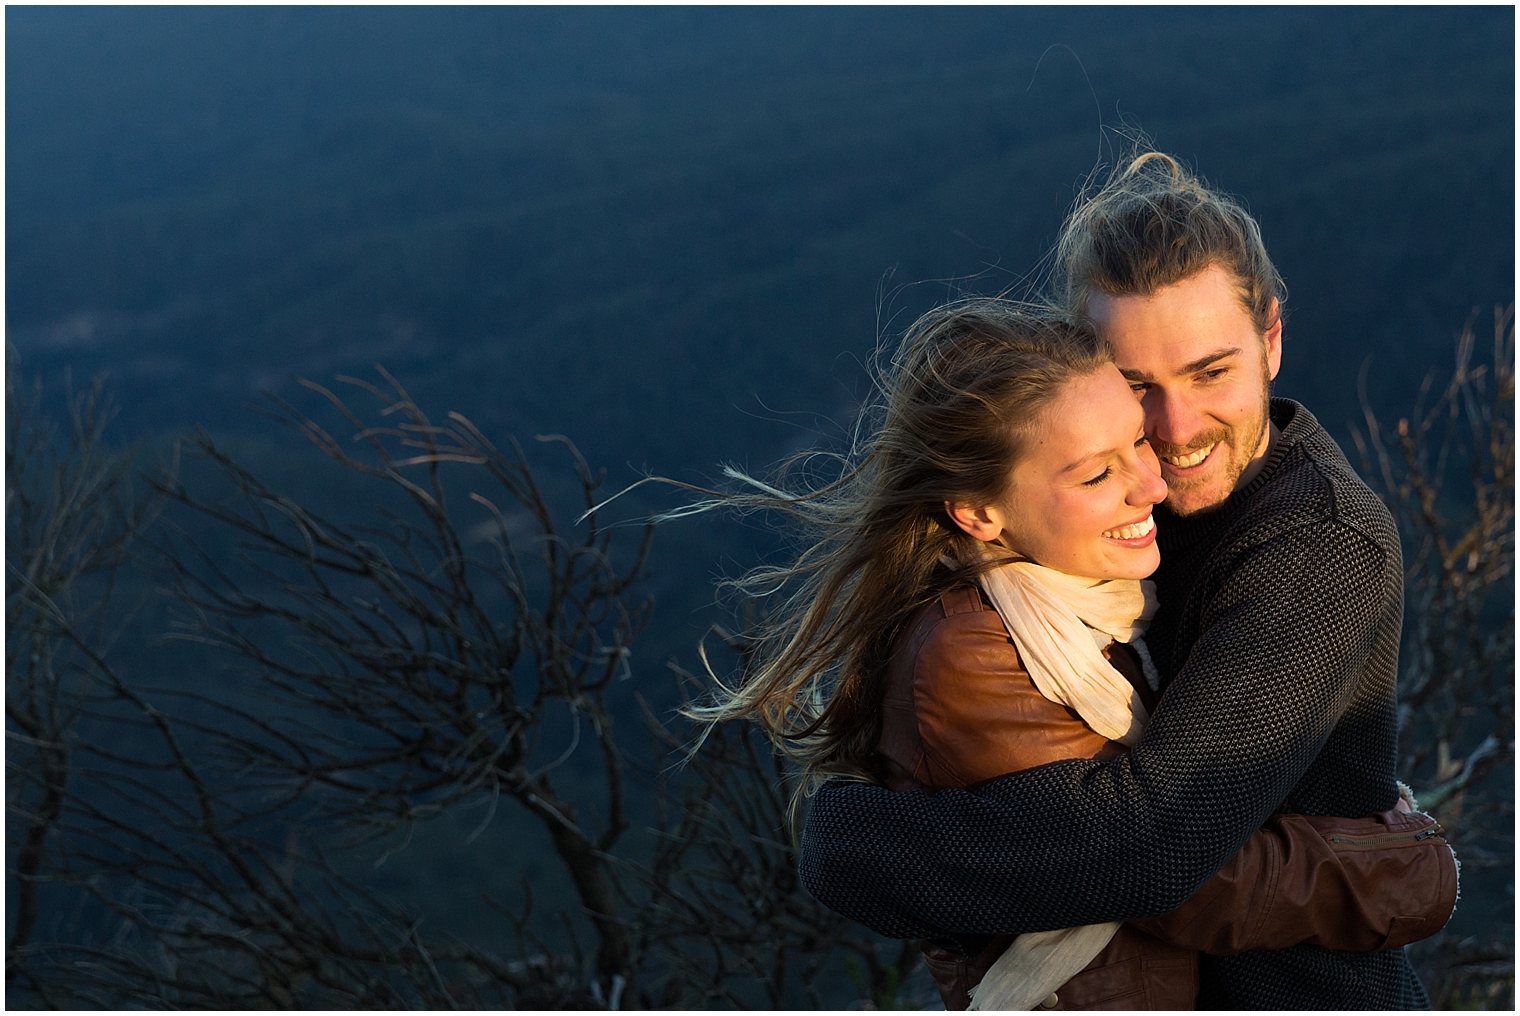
x=1294 y=424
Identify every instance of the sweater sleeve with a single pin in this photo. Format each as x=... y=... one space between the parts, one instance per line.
x=1283 y=644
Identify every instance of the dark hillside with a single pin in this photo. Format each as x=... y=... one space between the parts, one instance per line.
x=630 y=226
x=676 y=234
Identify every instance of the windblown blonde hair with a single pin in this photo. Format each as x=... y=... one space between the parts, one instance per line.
x=954 y=407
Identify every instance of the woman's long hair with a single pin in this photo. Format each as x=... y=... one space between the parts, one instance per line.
x=954 y=406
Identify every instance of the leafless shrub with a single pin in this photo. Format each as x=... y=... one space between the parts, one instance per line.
x=71 y=516
x=390 y=674
x=396 y=673
x=414 y=675
x=725 y=912
x=1447 y=473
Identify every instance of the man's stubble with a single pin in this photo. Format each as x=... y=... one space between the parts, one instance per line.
x=1242 y=443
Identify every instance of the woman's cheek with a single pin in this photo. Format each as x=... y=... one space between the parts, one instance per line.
x=1094 y=515
x=1084 y=521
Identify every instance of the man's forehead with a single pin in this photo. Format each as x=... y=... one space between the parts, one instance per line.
x=1175 y=326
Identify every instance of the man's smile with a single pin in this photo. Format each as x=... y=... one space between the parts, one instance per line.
x=1189 y=459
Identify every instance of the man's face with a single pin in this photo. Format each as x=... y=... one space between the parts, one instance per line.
x=1201 y=369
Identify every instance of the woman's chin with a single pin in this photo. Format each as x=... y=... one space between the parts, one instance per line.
x=1121 y=562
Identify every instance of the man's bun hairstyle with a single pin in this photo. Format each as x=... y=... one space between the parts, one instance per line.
x=1152 y=224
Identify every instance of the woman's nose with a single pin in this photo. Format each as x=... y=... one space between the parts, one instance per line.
x=1147 y=486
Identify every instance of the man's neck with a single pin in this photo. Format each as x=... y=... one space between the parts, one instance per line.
x=1253 y=468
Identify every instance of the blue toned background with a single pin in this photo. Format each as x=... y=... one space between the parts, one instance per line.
x=674 y=235
x=640 y=227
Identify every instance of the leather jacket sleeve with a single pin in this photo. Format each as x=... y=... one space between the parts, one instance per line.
x=1356 y=885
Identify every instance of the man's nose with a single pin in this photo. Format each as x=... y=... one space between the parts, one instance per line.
x=1169 y=419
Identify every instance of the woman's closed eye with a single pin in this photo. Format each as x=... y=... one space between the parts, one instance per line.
x=1099 y=478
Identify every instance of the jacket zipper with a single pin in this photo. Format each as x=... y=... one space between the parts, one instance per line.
x=1372 y=839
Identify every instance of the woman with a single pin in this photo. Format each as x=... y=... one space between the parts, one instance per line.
x=972 y=606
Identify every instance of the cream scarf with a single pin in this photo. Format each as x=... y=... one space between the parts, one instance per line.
x=1060 y=623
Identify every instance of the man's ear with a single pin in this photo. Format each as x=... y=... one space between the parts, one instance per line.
x=985 y=524
x=1273 y=339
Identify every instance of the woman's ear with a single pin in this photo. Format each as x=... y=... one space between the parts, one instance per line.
x=985 y=524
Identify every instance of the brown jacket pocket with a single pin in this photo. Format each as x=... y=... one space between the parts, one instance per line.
x=1358 y=885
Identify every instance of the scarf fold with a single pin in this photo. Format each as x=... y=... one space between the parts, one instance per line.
x=1037 y=963
x=1060 y=623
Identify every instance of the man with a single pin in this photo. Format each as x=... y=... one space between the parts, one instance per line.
x=1277 y=639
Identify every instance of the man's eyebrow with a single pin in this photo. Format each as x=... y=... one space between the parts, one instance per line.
x=1202 y=363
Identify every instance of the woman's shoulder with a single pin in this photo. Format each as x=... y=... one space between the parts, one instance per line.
x=956 y=631
x=928 y=669
x=974 y=711
x=955 y=616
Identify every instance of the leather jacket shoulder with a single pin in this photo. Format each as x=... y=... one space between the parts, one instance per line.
x=960 y=708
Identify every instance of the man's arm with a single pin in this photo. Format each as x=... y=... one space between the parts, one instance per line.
x=1081 y=842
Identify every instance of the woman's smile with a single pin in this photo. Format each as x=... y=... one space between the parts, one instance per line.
x=1084 y=484
x=1135 y=534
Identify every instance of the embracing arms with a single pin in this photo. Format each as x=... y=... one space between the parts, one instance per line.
x=1357 y=885
x=1281 y=657
x=959 y=709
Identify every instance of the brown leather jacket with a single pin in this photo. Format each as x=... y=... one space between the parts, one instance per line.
x=960 y=709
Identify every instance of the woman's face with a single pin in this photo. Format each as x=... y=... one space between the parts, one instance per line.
x=1082 y=491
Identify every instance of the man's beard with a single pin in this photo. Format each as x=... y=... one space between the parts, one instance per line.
x=1191 y=495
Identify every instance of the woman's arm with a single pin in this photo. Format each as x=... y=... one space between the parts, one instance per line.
x=1356 y=885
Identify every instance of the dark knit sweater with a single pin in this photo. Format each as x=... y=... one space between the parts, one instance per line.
x=1278 y=640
